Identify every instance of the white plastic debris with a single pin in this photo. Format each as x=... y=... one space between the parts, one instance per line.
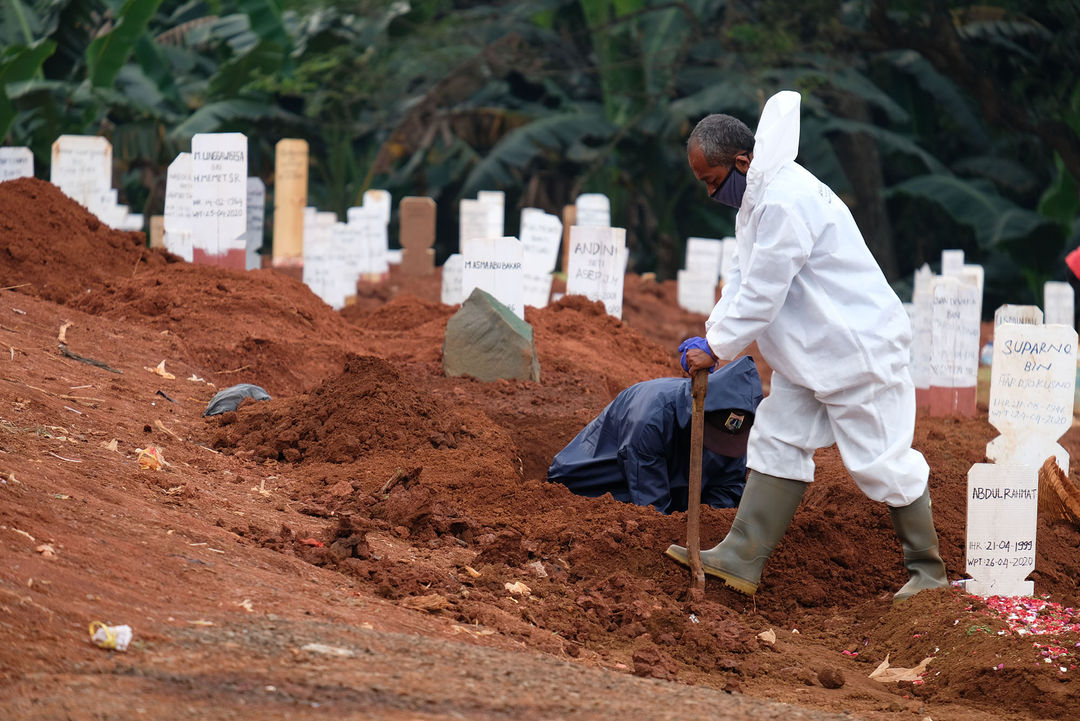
x=111 y=637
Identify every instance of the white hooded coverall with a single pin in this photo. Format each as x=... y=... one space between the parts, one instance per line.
x=807 y=288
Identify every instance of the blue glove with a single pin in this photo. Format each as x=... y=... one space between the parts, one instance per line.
x=695 y=342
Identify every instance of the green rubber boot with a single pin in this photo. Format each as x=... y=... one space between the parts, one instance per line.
x=914 y=524
x=768 y=504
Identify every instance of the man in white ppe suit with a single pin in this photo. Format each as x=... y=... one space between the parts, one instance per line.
x=808 y=290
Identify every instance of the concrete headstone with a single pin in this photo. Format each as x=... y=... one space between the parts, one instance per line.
x=486 y=340
x=16 y=162
x=219 y=198
x=1002 y=516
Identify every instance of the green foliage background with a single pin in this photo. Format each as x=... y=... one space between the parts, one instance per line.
x=942 y=124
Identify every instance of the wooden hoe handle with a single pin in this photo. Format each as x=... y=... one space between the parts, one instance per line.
x=698 y=386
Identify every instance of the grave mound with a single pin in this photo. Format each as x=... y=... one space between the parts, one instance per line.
x=369 y=407
x=274 y=332
x=59 y=248
x=402 y=312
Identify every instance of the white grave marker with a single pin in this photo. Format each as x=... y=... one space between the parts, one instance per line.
x=369 y=221
x=598 y=258
x=541 y=236
x=81 y=167
x=1002 y=514
x=381 y=200
x=952 y=262
x=219 y=198
x=495 y=203
x=472 y=222
x=922 y=334
x=954 y=346
x=451 y=280
x=15 y=163
x=1032 y=382
x=177 y=237
x=495 y=265
x=703 y=255
x=728 y=259
x=696 y=291
x=593 y=210
x=256 y=218
x=1018 y=315
x=1058 y=300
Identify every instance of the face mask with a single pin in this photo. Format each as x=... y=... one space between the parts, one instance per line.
x=731 y=190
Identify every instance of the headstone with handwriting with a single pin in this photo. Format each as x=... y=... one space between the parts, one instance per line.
x=954 y=346
x=495 y=266
x=82 y=167
x=16 y=162
x=1032 y=383
x=219 y=198
x=1018 y=315
x=178 y=207
x=597 y=269
x=451 y=292
x=290 y=199
x=1002 y=518
x=541 y=235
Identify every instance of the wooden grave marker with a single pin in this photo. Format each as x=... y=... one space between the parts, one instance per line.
x=922 y=334
x=541 y=236
x=598 y=258
x=495 y=203
x=593 y=210
x=704 y=255
x=290 y=199
x=1058 y=303
x=451 y=291
x=417 y=235
x=82 y=168
x=1002 y=517
x=157 y=231
x=1017 y=315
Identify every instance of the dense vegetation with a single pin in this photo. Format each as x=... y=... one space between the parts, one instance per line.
x=941 y=123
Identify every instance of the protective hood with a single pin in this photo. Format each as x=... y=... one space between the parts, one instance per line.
x=776 y=143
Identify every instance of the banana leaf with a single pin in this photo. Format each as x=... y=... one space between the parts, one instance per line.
x=108 y=53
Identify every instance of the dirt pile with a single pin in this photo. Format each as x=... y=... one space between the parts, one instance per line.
x=60 y=249
x=258 y=326
x=368 y=408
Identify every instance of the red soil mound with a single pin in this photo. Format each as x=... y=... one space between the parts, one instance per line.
x=258 y=326
x=58 y=248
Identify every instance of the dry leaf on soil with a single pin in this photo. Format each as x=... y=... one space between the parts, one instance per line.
x=160 y=370
x=885 y=673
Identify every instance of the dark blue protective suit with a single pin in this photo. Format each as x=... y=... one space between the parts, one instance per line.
x=638 y=448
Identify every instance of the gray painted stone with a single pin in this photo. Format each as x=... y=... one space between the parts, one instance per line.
x=484 y=339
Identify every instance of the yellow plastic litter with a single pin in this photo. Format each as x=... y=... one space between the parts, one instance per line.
x=111 y=637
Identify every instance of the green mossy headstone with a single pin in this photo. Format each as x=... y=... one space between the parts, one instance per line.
x=485 y=340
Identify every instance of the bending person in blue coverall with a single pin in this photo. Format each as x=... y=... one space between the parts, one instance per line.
x=638 y=448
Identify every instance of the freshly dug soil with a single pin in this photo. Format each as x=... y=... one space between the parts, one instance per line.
x=54 y=249
x=373 y=495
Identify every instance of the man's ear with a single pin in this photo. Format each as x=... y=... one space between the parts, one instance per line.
x=742 y=163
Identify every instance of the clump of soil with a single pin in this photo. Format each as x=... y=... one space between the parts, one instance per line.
x=368 y=408
x=59 y=248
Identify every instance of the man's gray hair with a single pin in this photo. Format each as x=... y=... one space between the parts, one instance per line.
x=721 y=138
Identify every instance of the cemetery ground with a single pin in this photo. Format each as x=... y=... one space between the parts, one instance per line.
x=378 y=540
